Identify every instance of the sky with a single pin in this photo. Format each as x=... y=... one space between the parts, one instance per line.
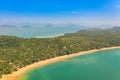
x=83 y=12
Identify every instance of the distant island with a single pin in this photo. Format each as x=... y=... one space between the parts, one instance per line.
x=7 y=26
x=19 y=52
x=40 y=25
x=26 y=26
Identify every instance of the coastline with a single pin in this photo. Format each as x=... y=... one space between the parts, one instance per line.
x=16 y=74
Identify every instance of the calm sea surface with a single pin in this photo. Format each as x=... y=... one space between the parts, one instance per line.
x=39 y=32
x=102 y=65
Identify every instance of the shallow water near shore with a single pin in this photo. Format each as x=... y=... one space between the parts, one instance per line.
x=102 y=65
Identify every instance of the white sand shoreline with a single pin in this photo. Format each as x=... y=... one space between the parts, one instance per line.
x=16 y=74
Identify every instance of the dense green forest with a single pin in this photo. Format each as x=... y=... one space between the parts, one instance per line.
x=17 y=52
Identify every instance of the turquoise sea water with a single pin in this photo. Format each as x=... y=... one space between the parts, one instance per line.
x=39 y=32
x=102 y=65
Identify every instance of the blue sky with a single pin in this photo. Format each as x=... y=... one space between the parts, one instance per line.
x=60 y=11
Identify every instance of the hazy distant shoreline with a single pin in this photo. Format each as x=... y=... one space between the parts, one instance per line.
x=15 y=75
x=38 y=32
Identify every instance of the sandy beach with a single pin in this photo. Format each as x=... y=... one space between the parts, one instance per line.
x=16 y=74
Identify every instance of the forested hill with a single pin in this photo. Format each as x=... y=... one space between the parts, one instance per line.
x=17 y=52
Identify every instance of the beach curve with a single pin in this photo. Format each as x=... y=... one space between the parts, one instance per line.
x=16 y=74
